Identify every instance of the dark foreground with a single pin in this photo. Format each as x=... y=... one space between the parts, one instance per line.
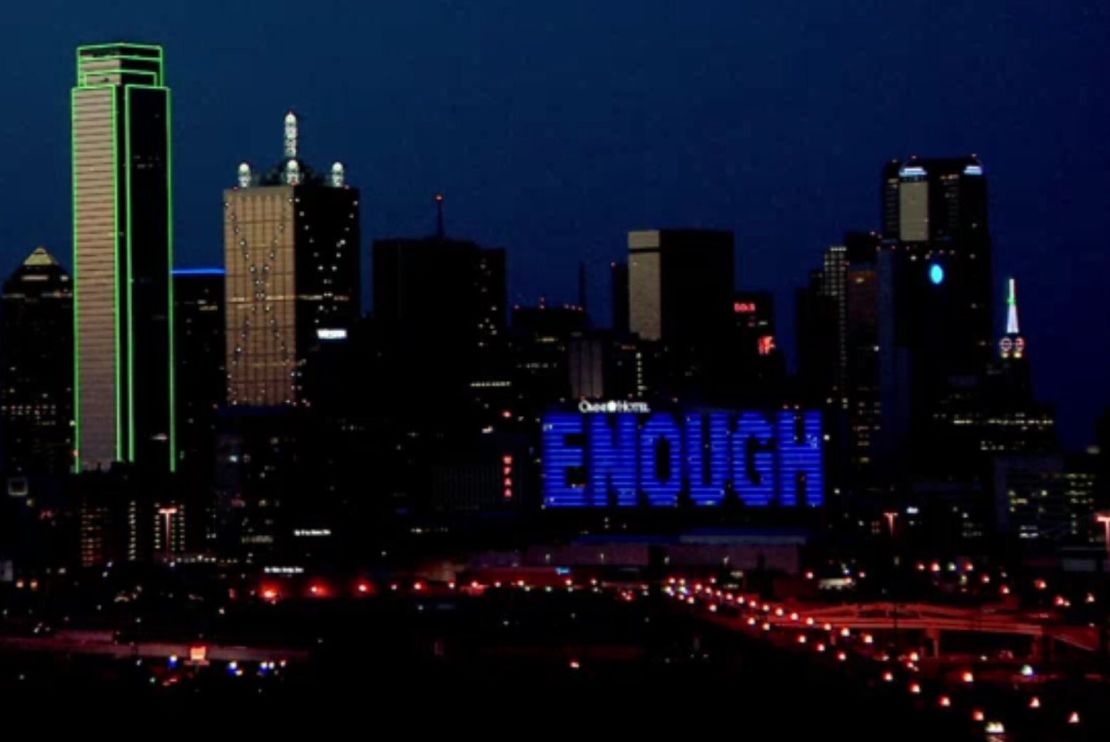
x=549 y=659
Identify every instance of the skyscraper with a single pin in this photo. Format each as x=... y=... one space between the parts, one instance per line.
x=760 y=367
x=36 y=368
x=293 y=285
x=202 y=378
x=680 y=284
x=442 y=301
x=936 y=329
x=862 y=340
x=122 y=256
x=680 y=294
x=618 y=287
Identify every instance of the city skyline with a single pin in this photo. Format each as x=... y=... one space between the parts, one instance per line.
x=519 y=162
x=416 y=428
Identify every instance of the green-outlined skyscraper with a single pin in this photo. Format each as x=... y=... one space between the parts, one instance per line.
x=122 y=259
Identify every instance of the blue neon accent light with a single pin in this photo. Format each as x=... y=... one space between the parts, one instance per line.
x=612 y=460
x=753 y=465
x=661 y=444
x=800 y=471
x=912 y=171
x=664 y=459
x=707 y=483
x=936 y=274
x=198 y=271
x=559 y=458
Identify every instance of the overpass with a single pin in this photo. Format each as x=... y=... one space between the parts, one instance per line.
x=936 y=619
x=103 y=643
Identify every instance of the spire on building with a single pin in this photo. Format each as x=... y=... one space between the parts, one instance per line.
x=244 y=175
x=1011 y=309
x=1012 y=344
x=290 y=135
x=40 y=257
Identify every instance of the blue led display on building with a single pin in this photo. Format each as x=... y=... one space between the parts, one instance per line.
x=665 y=459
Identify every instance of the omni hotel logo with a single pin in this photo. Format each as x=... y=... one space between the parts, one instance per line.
x=613 y=406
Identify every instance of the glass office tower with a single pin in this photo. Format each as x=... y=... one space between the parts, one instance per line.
x=122 y=256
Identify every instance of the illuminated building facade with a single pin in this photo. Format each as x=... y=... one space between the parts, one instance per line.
x=1045 y=498
x=291 y=249
x=122 y=256
x=662 y=459
x=36 y=368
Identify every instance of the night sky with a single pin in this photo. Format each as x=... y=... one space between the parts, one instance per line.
x=554 y=127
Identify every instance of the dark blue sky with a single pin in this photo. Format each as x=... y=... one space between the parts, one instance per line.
x=555 y=127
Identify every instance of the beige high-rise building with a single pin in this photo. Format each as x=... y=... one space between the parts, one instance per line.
x=122 y=258
x=291 y=250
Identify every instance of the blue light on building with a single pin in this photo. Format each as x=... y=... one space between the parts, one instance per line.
x=936 y=274
x=198 y=271
x=664 y=459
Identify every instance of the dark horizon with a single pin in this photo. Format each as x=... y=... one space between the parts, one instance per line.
x=554 y=132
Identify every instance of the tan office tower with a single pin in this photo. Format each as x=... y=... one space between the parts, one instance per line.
x=291 y=242
x=680 y=285
x=122 y=256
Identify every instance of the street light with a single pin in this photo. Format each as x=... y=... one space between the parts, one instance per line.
x=1104 y=519
x=890 y=515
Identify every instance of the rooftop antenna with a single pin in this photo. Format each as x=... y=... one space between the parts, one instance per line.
x=1012 y=344
x=1011 y=310
x=290 y=135
x=244 y=175
x=440 y=231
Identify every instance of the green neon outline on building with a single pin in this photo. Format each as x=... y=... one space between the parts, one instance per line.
x=169 y=278
x=118 y=91
x=76 y=304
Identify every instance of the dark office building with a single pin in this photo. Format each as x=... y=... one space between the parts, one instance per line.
x=202 y=377
x=680 y=285
x=439 y=304
x=936 y=333
x=1001 y=415
x=681 y=295
x=542 y=338
x=618 y=287
x=818 y=352
x=838 y=337
x=754 y=315
x=122 y=255
x=36 y=369
x=1102 y=463
x=126 y=518
x=278 y=472
x=293 y=284
x=861 y=352
x=1045 y=498
x=760 y=366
